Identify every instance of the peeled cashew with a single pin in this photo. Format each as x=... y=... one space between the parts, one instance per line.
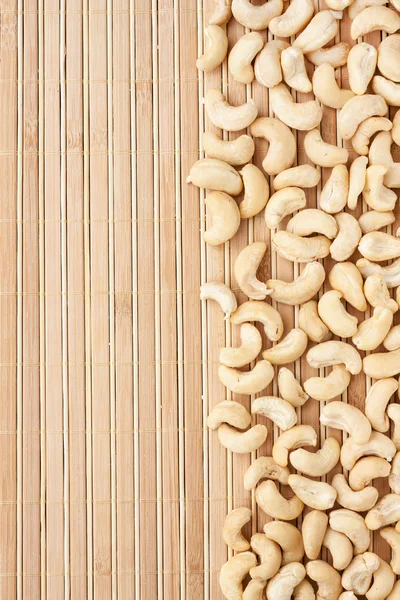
x=313 y=220
x=299 y=115
x=267 y=66
x=293 y=20
x=353 y=526
x=376 y=402
x=392 y=340
x=385 y=512
x=317 y=464
x=225 y=116
x=231 y=531
x=346 y=241
x=228 y=411
x=322 y=28
x=392 y=537
x=393 y=412
x=264 y=313
x=255 y=589
x=256 y=17
x=271 y=501
x=323 y=154
x=222 y=12
x=373 y=220
x=304 y=591
x=221 y=294
x=279 y=411
x=379 y=246
x=359 y=108
x=311 y=324
x=241 y=56
x=395 y=593
x=357 y=175
x=233 y=572
x=380 y=154
x=362 y=137
x=391 y=273
x=301 y=289
x=326 y=89
x=282 y=144
x=394 y=477
x=242 y=442
x=348 y=498
x=264 y=467
x=389 y=90
x=374 y=18
x=366 y=469
x=303 y=176
x=300 y=249
x=216 y=47
x=284 y=202
x=331 y=386
x=377 y=445
x=358 y=575
x=340 y=548
x=287 y=350
x=247 y=382
x=371 y=332
x=290 y=389
x=336 y=55
x=256 y=191
x=389 y=57
x=246 y=265
x=282 y=585
x=335 y=191
x=346 y=279
x=375 y=193
x=361 y=64
x=248 y=351
x=326 y=578
x=313 y=531
x=270 y=557
x=396 y=128
x=296 y=437
x=225 y=218
x=234 y=152
x=335 y=316
x=347 y=417
x=294 y=70
x=288 y=537
x=383 y=582
x=332 y=353
x=215 y=175
x=358 y=5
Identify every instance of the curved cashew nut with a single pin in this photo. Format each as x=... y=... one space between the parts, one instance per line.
x=394 y=477
x=336 y=55
x=287 y=350
x=296 y=437
x=357 y=501
x=279 y=411
x=265 y=467
x=216 y=47
x=345 y=243
x=392 y=537
x=377 y=293
x=379 y=246
x=294 y=19
x=233 y=572
x=256 y=17
x=358 y=575
x=394 y=594
x=288 y=537
x=300 y=249
x=222 y=294
x=271 y=501
x=335 y=316
x=313 y=531
x=358 y=5
x=331 y=386
x=284 y=202
x=335 y=191
x=365 y=470
x=270 y=557
x=357 y=109
x=313 y=220
x=393 y=412
x=327 y=579
x=282 y=144
x=222 y=12
x=248 y=351
x=382 y=364
x=316 y=494
x=374 y=18
x=383 y=582
x=267 y=66
x=294 y=70
x=255 y=589
x=362 y=137
x=303 y=176
x=317 y=464
x=311 y=324
x=246 y=265
x=299 y=115
x=323 y=154
x=396 y=128
x=304 y=591
x=361 y=64
x=247 y=382
x=234 y=152
x=385 y=512
x=256 y=191
x=391 y=273
x=373 y=220
x=232 y=529
x=290 y=389
x=231 y=412
x=377 y=445
x=215 y=175
x=376 y=402
x=357 y=176
x=353 y=526
x=380 y=154
x=389 y=90
x=346 y=417
x=282 y=585
x=225 y=116
x=322 y=28
x=242 y=54
x=242 y=442
x=262 y=312
x=389 y=57
x=346 y=279
x=301 y=289
x=375 y=193
x=392 y=340
x=340 y=548
x=326 y=89
x=225 y=218
x=332 y=353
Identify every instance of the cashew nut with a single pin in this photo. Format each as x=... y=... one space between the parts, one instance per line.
x=374 y=18
x=300 y=249
x=348 y=596
x=303 y=176
x=376 y=402
x=389 y=90
x=391 y=273
x=215 y=175
x=232 y=529
x=392 y=537
x=335 y=191
x=380 y=154
x=247 y=382
x=311 y=324
x=294 y=70
x=299 y=115
x=290 y=389
x=242 y=54
x=326 y=578
x=304 y=591
x=377 y=293
x=383 y=582
x=393 y=412
x=331 y=386
x=340 y=548
x=353 y=526
x=288 y=538
x=366 y=130
x=359 y=108
x=225 y=116
x=335 y=316
x=282 y=144
x=233 y=572
x=294 y=19
x=256 y=191
x=264 y=467
x=395 y=593
x=318 y=463
x=222 y=12
x=279 y=411
x=271 y=501
x=371 y=332
x=345 y=243
x=253 y=310
x=332 y=353
x=366 y=469
x=361 y=64
x=234 y=152
x=378 y=246
x=323 y=154
x=346 y=279
x=216 y=47
x=282 y=585
x=296 y=437
x=242 y=442
x=394 y=477
x=357 y=176
x=336 y=55
x=246 y=265
x=255 y=589
x=284 y=202
x=375 y=193
x=313 y=531
x=385 y=512
x=313 y=220
x=256 y=17
x=270 y=557
x=287 y=350
x=248 y=351
x=228 y=411
x=392 y=340
x=358 y=501
x=389 y=57
x=347 y=417
x=301 y=289
x=396 y=128
x=225 y=218
x=267 y=66
x=358 y=575
x=326 y=89
x=373 y=220
x=221 y=294
x=358 y=5
x=322 y=28
x=377 y=445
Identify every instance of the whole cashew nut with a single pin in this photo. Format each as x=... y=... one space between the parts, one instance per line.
x=303 y=176
x=300 y=249
x=391 y=273
x=290 y=389
x=375 y=193
x=377 y=293
x=335 y=316
x=357 y=501
x=282 y=144
x=313 y=531
x=247 y=382
x=353 y=526
x=241 y=56
x=376 y=402
x=242 y=442
x=216 y=47
x=317 y=464
x=248 y=351
x=270 y=557
x=361 y=64
x=392 y=537
x=379 y=246
x=374 y=18
x=389 y=90
x=296 y=437
x=383 y=582
x=365 y=470
x=225 y=218
x=301 y=289
x=271 y=501
x=382 y=364
x=327 y=579
x=371 y=332
x=232 y=529
x=231 y=412
x=346 y=241
x=284 y=202
x=385 y=512
x=392 y=340
x=304 y=591
x=256 y=17
x=255 y=589
x=373 y=220
x=298 y=115
x=215 y=175
x=377 y=445
x=225 y=116
x=282 y=585
x=288 y=537
x=340 y=548
x=279 y=411
x=265 y=467
x=346 y=279
x=322 y=28
x=256 y=191
x=289 y=349
x=311 y=324
x=357 y=576
x=294 y=70
x=313 y=220
x=326 y=89
x=331 y=386
x=220 y=293
x=359 y=108
x=366 y=130
x=254 y=310
x=246 y=265
x=294 y=19
x=332 y=353
x=315 y=494
x=267 y=66
x=234 y=152
x=357 y=176
x=233 y=572
x=222 y=12
x=336 y=55
x=358 y=5
x=323 y=154
x=346 y=417
x=335 y=191
x=389 y=57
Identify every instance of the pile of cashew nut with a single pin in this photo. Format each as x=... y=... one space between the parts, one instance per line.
x=284 y=561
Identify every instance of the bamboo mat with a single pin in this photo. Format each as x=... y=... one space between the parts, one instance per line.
x=111 y=487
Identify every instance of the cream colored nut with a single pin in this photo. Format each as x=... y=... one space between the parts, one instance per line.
x=241 y=56
x=282 y=144
x=335 y=191
x=270 y=557
x=331 y=386
x=348 y=596
x=313 y=531
x=326 y=89
x=301 y=289
x=311 y=324
x=338 y=6
x=322 y=28
x=366 y=469
x=282 y=585
x=335 y=316
x=234 y=152
x=398 y=295
x=392 y=537
x=358 y=5
x=395 y=593
x=271 y=501
x=256 y=191
x=313 y=220
x=356 y=110
x=288 y=537
x=346 y=417
x=332 y=353
x=233 y=572
x=378 y=246
x=358 y=575
x=358 y=501
x=254 y=590
x=294 y=70
x=376 y=402
x=242 y=442
x=362 y=137
x=279 y=411
x=392 y=340
x=391 y=273
x=377 y=445
x=361 y=64
x=380 y=154
x=371 y=332
x=396 y=128
x=336 y=55
x=375 y=193
x=225 y=219
x=303 y=176
x=323 y=154
x=216 y=47
x=222 y=12
x=300 y=249
x=215 y=175
x=393 y=412
x=293 y=20
x=374 y=18
x=225 y=116
x=222 y=294
x=340 y=548
x=346 y=279
x=296 y=437
x=394 y=477
x=373 y=220
x=299 y=115
x=264 y=467
x=346 y=241
x=256 y=17
x=232 y=529
x=246 y=266
x=385 y=512
x=326 y=578
x=284 y=202
x=290 y=389
x=247 y=382
x=389 y=57
x=228 y=411
x=304 y=591
x=317 y=464
x=383 y=582
x=389 y=90
x=267 y=66
x=264 y=313
x=289 y=349
x=357 y=176
x=248 y=351
x=353 y=526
